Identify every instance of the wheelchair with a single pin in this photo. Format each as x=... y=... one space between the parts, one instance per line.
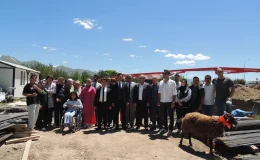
x=77 y=121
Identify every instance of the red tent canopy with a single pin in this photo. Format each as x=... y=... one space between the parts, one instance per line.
x=228 y=70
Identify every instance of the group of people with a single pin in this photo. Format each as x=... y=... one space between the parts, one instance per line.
x=103 y=102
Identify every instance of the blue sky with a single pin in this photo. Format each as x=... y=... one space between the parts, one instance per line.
x=133 y=36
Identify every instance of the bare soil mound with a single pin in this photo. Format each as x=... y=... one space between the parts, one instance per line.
x=246 y=93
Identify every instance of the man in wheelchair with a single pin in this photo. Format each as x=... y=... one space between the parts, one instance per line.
x=72 y=107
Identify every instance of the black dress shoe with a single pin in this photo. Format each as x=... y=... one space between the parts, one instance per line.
x=153 y=129
x=98 y=129
x=146 y=129
x=116 y=128
x=137 y=128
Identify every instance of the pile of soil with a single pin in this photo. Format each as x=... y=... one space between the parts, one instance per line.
x=246 y=93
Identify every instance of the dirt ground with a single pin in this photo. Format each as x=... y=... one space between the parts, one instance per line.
x=100 y=145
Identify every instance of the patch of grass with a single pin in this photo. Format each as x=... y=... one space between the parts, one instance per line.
x=257 y=117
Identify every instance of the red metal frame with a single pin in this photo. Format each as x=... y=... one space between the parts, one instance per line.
x=228 y=70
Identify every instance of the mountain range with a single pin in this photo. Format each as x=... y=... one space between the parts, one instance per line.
x=69 y=70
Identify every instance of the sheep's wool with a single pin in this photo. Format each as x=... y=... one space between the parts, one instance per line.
x=202 y=126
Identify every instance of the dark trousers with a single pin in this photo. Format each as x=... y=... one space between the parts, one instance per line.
x=41 y=121
x=181 y=112
x=154 y=114
x=96 y=114
x=102 y=110
x=120 y=105
x=165 y=110
x=58 y=113
x=49 y=115
x=141 y=113
x=110 y=116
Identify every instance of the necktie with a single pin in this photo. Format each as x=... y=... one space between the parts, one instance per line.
x=103 y=94
x=129 y=89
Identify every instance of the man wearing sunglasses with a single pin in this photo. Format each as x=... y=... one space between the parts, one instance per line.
x=224 y=90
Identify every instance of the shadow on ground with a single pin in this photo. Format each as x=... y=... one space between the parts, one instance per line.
x=203 y=155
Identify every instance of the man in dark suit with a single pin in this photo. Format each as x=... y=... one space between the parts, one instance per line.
x=103 y=102
x=130 y=109
x=120 y=96
x=141 y=102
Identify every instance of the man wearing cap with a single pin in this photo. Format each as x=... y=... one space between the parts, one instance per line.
x=166 y=100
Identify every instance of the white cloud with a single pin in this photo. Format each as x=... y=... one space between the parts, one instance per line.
x=97 y=53
x=176 y=56
x=127 y=39
x=134 y=70
x=161 y=51
x=64 y=54
x=86 y=23
x=188 y=62
x=76 y=56
x=105 y=54
x=100 y=28
x=65 y=62
x=35 y=45
x=110 y=59
x=52 y=49
x=197 y=57
x=44 y=47
x=135 y=56
x=142 y=46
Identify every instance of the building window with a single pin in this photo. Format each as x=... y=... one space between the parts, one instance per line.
x=23 y=78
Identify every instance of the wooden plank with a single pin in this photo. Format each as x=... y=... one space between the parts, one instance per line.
x=4 y=137
x=5 y=125
x=26 y=150
x=21 y=140
x=245 y=142
x=21 y=135
x=10 y=116
x=242 y=136
x=243 y=132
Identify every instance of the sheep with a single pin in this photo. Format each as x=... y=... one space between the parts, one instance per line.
x=205 y=127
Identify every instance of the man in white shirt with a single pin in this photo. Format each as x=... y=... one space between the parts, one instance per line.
x=208 y=96
x=166 y=100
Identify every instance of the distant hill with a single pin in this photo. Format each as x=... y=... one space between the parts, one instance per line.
x=70 y=70
x=33 y=62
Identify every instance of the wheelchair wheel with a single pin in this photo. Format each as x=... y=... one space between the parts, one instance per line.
x=62 y=123
x=79 y=121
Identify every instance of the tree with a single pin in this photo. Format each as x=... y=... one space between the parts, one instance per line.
x=106 y=73
x=84 y=76
x=75 y=76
